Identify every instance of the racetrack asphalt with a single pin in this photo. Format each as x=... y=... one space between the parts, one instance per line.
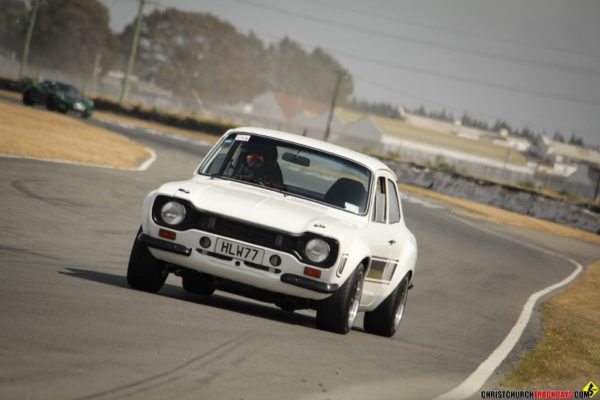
x=72 y=329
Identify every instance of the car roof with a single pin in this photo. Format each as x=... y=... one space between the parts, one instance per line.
x=370 y=162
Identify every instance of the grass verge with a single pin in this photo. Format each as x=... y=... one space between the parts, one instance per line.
x=568 y=356
x=500 y=215
x=35 y=132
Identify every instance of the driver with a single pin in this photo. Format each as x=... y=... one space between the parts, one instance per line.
x=259 y=161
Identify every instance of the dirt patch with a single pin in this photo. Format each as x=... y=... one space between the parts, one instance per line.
x=473 y=208
x=35 y=132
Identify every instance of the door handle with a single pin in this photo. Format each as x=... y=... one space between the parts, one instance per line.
x=391 y=242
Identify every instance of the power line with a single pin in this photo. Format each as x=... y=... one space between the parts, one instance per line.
x=478 y=113
x=461 y=108
x=461 y=79
x=455 y=31
x=424 y=42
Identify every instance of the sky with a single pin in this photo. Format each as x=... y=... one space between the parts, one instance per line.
x=533 y=63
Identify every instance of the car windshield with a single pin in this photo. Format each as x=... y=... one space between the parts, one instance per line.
x=291 y=169
x=68 y=90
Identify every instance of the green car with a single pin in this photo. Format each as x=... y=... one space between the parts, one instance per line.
x=58 y=96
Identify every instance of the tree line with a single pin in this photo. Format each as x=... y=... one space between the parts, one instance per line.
x=497 y=126
x=189 y=53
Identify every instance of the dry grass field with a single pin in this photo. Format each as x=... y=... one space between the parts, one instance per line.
x=568 y=356
x=404 y=130
x=35 y=132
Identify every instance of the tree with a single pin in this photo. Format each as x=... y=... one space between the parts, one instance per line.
x=193 y=54
x=292 y=70
x=69 y=33
x=558 y=137
x=383 y=109
x=13 y=25
x=574 y=140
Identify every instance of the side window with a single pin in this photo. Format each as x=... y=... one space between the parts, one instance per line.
x=216 y=163
x=394 y=203
x=380 y=199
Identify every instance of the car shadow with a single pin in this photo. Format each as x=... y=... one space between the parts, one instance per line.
x=215 y=300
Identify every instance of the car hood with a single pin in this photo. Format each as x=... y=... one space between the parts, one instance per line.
x=262 y=206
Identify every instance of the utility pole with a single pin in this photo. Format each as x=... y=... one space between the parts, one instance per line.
x=36 y=4
x=95 y=72
x=597 y=190
x=134 y=44
x=338 y=80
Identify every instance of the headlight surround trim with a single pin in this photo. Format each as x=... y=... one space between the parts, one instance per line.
x=326 y=262
x=184 y=208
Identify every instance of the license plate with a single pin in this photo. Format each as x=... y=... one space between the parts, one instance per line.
x=239 y=251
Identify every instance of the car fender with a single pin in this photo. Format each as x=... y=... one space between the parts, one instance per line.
x=356 y=253
x=147 y=209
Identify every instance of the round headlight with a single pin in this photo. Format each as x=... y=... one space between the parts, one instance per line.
x=172 y=213
x=317 y=250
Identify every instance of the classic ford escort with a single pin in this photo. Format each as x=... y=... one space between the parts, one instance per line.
x=284 y=219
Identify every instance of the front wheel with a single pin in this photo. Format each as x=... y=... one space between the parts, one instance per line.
x=338 y=312
x=385 y=319
x=145 y=272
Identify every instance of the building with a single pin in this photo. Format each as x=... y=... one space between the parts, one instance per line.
x=552 y=152
x=579 y=166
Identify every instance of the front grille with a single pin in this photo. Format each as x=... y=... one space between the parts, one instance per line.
x=244 y=231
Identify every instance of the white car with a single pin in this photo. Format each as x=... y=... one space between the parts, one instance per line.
x=284 y=219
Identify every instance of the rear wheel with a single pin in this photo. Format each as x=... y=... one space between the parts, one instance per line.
x=50 y=103
x=386 y=318
x=198 y=283
x=144 y=271
x=338 y=312
x=28 y=98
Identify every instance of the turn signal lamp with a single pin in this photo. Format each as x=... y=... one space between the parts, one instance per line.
x=312 y=272
x=163 y=233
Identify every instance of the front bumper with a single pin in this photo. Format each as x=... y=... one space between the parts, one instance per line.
x=286 y=278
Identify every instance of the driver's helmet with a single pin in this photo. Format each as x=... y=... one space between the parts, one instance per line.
x=255 y=159
x=260 y=154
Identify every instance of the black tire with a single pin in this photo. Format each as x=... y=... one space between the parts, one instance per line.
x=27 y=98
x=386 y=318
x=144 y=271
x=198 y=283
x=50 y=103
x=338 y=312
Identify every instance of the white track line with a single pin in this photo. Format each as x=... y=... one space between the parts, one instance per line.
x=476 y=380
x=142 y=167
